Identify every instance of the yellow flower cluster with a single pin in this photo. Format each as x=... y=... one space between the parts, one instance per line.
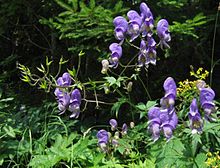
x=187 y=85
x=199 y=74
x=213 y=160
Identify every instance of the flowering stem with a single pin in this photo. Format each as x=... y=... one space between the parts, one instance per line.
x=78 y=67
x=95 y=101
x=128 y=64
x=58 y=72
x=148 y=94
x=213 y=48
x=132 y=45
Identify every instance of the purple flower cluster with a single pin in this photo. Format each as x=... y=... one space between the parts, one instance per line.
x=164 y=118
x=138 y=24
x=106 y=138
x=206 y=99
x=66 y=100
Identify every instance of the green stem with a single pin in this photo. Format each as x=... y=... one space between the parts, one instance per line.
x=148 y=94
x=213 y=49
x=128 y=65
x=79 y=64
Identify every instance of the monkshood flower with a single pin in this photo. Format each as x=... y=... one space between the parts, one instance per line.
x=151 y=51
x=65 y=80
x=207 y=96
x=103 y=139
x=113 y=124
x=115 y=139
x=63 y=102
x=124 y=129
x=135 y=22
x=116 y=53
x=170 y=93
x=75 y=101
x=147 y=19
x=142 y=56
x=147 y=53
x=169 y=122
x=121 y=26
x=154 y=122
x=196 y=123
x=163 y=33
x=200 y=84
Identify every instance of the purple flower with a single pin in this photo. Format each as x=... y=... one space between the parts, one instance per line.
x=58 y=93
x=196 y=123
x=207 y=96
x=65 y=80
x=170 y=93
x=147 y=53
x=121 y=26
x=163 y=33
x=75 y=101
x=154 y=128
x=200 y=84
x=115 y=142
x=151 y=51
x=142 y=57
x=167 y=131
x=124 y=129
x=169 y=84
x=169 y=122
x=116 y=53
x=113 y=124
x=103 y=139
x=63 y=102
x=153 y=113
x=154 y=122
x=135 y=22
x=162 y=119
x=147 y=18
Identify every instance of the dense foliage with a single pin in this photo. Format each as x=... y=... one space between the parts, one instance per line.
x=110 y=89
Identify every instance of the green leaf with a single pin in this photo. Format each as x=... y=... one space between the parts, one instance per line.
x=9 y=131
x=111 y=80
x=141 y=106
x=92 y=4
x=115 y=108
x=64 y=5
x=150 y=104
x=72 y=72
x=200 y=160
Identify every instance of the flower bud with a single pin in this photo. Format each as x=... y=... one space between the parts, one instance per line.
x=105 y=66
x=200 y=84
x=116 y=136
x=129 y=86
x=124 y=129
x=132 y=124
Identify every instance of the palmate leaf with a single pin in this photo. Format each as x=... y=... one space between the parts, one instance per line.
x=143 y=109
x=172 y=154
x=188 y=28
x=85 y=22
x=200 y=161
x=115 y=108
x=60 y=150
